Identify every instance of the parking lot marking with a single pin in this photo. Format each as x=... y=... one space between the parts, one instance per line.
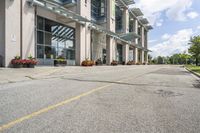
x=34 y=114
x=6 y=126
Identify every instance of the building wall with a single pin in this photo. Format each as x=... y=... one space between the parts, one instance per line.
x=2 y=32
x=12 y=28
x=28 y=30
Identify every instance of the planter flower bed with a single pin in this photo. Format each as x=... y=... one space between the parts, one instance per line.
x=17 y=62
x=131 y=63
x=114 y=63
x=87 y=63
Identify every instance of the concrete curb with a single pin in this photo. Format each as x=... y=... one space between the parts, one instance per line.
x=195 y=73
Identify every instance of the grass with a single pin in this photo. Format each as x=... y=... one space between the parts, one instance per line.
x=194 y=68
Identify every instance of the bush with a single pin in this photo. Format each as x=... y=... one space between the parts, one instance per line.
x=87 y=63
x=114 y=63
x=131 y=63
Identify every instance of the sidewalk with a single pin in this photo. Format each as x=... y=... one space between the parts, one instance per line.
x=10 y=75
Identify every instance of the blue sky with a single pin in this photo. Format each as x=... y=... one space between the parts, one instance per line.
x=174 y=22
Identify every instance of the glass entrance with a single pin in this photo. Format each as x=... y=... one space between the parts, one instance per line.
x=54 y=40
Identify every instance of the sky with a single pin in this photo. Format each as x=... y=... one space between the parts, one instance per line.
x=174 y=22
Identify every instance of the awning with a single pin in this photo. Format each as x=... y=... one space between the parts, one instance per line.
x=144 y=21
x=130 y=36
x=58 y=9
x=124 y=3
x=137 y=12
x=149 y=27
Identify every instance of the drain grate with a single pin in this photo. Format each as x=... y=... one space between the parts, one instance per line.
x=164 y=93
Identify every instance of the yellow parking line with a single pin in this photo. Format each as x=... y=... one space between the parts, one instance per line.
x=6 y=126
x=10 y=124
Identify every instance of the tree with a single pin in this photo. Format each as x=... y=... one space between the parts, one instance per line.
x=194 y=49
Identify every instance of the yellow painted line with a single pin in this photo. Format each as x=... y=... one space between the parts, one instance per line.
x=34 y=114
x=6 y=126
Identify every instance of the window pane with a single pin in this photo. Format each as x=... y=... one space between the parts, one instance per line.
x=50 y=52
x=40 y=37
x=40 y=23
x=40 y=51
x=48 y=39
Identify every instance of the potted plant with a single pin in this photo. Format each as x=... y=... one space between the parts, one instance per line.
x=60 y=61
x=88 y=62
x=99 y=62
x=17 y=62
x=130 y=63
x=114 y=63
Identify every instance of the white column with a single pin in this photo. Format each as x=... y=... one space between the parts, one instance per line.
x=142 y=36
x=125 y=21
x=142 y=56
x=136 y=30
x=147 y=58
x=135 y=59
x=80 y=44
x=125 y=53
x=110 y=41
x=83 y=33
x=110 y=50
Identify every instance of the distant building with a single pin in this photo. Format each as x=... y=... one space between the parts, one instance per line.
x=75 y=29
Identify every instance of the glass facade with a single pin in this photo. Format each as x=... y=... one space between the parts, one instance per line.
x=98 y=10
x=54 y=40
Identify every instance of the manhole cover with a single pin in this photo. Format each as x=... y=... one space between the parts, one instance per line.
x=164 y=93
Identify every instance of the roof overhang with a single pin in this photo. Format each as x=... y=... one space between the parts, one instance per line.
x=58 y=9
x=124 y=3
x=144 y=21
x=149 y=27
x=129 y=36
x=137 y=12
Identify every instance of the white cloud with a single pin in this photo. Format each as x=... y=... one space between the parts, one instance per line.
x=166 y=36
x=176 y=10
x=192 y=15
x=175 y=43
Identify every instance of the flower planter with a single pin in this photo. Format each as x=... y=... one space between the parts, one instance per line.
x=88 y=63
x=58 y=63
x=17 y=66
x=30 y=66
x=114 y=63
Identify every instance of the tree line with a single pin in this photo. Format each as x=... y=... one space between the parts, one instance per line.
x=193 y=56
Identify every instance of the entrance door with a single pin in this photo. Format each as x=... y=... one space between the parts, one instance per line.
x=119 y=53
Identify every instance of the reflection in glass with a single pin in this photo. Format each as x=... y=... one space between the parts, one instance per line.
x=55 y=40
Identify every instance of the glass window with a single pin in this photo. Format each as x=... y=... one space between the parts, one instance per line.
x=40 y=23
x=40 y=51
x=54 y=39
x=50 y=52
x=40 y=37
x=48 y=39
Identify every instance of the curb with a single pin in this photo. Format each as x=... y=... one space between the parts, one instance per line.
x=195 y=73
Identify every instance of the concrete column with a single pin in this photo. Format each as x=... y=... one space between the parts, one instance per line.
x=111 y=15
x=135 y=59
x=12 y=30
x=110 y=42
x=110 y=50
x=142 y=56
x=125 y=20
x=83 y=33
x=126 y=53
x=142 y=36
x=80 y=44
x=147 y=59
x=28 y=30
x=136 y=30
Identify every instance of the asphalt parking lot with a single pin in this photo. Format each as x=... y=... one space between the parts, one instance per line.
x=106 y=99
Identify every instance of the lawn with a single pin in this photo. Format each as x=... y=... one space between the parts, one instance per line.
x=194 y=68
